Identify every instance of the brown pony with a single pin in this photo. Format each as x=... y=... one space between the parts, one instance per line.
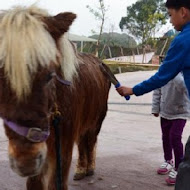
x=35 y=57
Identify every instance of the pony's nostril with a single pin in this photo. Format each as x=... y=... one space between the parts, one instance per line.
x=40 y=159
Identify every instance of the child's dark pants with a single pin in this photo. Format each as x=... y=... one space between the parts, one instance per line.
x=171 y=136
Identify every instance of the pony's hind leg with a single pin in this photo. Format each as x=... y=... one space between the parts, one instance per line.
x=91 y=154
x=91 y=145
x=86 y=155
x=87 y=149
x=81 y=167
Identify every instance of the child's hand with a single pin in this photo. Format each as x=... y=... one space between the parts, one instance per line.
x=156 y=114
x=124 y=91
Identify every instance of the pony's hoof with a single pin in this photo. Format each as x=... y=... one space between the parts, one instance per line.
x=79 y=176
x=90 y=173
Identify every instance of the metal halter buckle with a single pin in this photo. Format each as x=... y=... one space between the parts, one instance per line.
x=36 y=135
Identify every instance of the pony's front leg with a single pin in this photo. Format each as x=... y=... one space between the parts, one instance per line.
x=67 y=148
x=41 y=183
x=44 y=181
x=35 y=183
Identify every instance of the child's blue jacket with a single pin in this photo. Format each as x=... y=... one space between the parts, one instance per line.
x=177 y=60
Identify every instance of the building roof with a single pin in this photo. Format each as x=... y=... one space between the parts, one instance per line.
x=77 y=38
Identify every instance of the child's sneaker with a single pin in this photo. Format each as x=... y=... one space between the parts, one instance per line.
x=171 y=177
x=165 y=168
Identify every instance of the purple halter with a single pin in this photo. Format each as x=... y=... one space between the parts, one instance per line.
x=32 y=134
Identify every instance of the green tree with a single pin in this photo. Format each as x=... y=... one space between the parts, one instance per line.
x=144 y=18
x=99 y=14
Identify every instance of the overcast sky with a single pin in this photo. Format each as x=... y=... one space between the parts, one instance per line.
x=85 y=21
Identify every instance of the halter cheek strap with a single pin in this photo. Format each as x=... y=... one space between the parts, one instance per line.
x=62 y=81
x=32 y=134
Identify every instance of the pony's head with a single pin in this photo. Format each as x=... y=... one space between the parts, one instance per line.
x=32 y=47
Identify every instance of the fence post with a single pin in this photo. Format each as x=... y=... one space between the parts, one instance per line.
x=119 y=68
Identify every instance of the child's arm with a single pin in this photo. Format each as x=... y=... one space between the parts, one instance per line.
x=156 y=97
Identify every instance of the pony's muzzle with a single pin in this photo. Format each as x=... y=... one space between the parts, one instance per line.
x=28 y=166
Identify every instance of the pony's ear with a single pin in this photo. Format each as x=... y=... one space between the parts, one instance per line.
x=59 y=24
x=65 y=20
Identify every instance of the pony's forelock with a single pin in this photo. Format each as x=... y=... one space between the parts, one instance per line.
x=25 y=44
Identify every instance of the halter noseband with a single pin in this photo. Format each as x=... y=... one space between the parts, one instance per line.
x=32 y=134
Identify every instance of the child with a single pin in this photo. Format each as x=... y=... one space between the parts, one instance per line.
x=177 y=59
x=178 y=55
x=172 y=104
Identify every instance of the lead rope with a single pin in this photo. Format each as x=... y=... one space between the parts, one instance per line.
x=55 y=122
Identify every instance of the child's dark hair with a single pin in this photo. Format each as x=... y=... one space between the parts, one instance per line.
x=177 y=4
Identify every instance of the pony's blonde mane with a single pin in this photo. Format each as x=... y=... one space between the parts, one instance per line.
x=69 y=63
x=24 y=45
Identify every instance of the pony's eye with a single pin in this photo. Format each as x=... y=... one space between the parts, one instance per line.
x=49 y=77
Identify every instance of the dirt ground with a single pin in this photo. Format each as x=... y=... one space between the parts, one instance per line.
x=129 y=147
